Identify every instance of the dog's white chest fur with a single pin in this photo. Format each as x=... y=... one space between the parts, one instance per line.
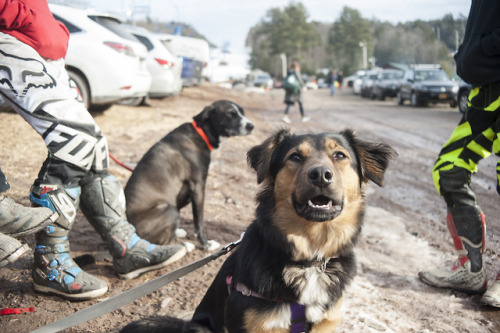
x=311 y=284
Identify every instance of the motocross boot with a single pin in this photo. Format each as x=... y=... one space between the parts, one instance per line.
x=467 y=228
x=103 y=204
x=54 y=271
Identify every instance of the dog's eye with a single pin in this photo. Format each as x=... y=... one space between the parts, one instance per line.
x=338 y=155
x=295 y=157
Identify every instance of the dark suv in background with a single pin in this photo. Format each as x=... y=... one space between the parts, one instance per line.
x=386 y=84
x=424 y=84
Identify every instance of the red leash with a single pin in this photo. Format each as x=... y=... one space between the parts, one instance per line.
x=120 y=163
x=17 y=310
x=198 y=129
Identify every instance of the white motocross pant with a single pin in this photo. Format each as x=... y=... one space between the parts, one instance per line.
x=40 y=91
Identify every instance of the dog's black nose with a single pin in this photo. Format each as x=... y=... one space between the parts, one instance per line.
x=249 y=126
x=320 y=176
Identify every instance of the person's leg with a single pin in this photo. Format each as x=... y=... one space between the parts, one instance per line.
x=10 y=248
x=492 y=296
x=55 y=272
x=302 y=113
x=286 y=118
x=470 y=142
x=17 y=220
x=301 y=108
x=103 y=204
x=76 y=149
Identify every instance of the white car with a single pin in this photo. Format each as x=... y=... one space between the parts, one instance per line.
x=164 y=67
x=358 y=81
x=263 y=80
x=105 y=67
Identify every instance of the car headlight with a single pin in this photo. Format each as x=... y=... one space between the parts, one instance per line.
x=454 y=89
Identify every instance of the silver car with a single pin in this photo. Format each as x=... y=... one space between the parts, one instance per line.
x=164 y=67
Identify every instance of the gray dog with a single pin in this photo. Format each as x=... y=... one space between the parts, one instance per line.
x=173 y=173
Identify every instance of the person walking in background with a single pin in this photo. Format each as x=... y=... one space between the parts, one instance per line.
x=17 y=220
x=475 y=137
x=330 y=79
x=340 y=79
x=294 y=92
x=32 y=50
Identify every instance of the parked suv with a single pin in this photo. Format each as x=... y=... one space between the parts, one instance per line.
x=424 y=84
x=386 y=83
x=105 y=67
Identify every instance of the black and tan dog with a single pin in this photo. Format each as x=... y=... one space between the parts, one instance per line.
x=174 y=171
x=296 y=258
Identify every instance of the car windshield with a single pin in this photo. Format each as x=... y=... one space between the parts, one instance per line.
x=392 y=75
x=431 y=75
x=113 y=25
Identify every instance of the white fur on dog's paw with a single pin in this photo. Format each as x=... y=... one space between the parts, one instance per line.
x=212 y=245
x=189 y=246
x=180 y=233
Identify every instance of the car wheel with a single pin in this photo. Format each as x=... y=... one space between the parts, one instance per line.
x=463 y=100
x=413 y=99
x=133 y=101
x=81 y=86
x=100 y=107
x=400 y=98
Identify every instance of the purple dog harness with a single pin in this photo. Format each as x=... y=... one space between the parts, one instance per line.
x=298 y=310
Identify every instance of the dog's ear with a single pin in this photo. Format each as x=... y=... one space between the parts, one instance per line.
x=203 y=116
x=373 y=157
x=259 y=157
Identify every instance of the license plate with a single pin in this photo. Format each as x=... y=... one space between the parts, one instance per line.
x=442 y=96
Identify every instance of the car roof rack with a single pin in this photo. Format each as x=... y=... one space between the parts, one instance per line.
x=426 y=66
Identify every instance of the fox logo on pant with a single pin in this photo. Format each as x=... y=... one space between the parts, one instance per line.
x=33 y=75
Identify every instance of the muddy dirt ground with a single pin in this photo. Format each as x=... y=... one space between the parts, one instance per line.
x=404 y=230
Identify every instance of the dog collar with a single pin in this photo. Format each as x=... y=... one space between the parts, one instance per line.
x=202 y=134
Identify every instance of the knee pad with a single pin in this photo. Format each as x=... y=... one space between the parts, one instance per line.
x=455 y=187
x=60 y=199
x=103 y=202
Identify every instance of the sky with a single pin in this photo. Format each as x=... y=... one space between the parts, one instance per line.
x=227 y=22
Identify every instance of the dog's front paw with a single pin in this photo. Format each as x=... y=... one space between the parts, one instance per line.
x=211 y=245
x=180 y=233
x=189 y=246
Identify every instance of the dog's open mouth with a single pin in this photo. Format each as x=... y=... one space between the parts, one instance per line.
x=318 y=209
